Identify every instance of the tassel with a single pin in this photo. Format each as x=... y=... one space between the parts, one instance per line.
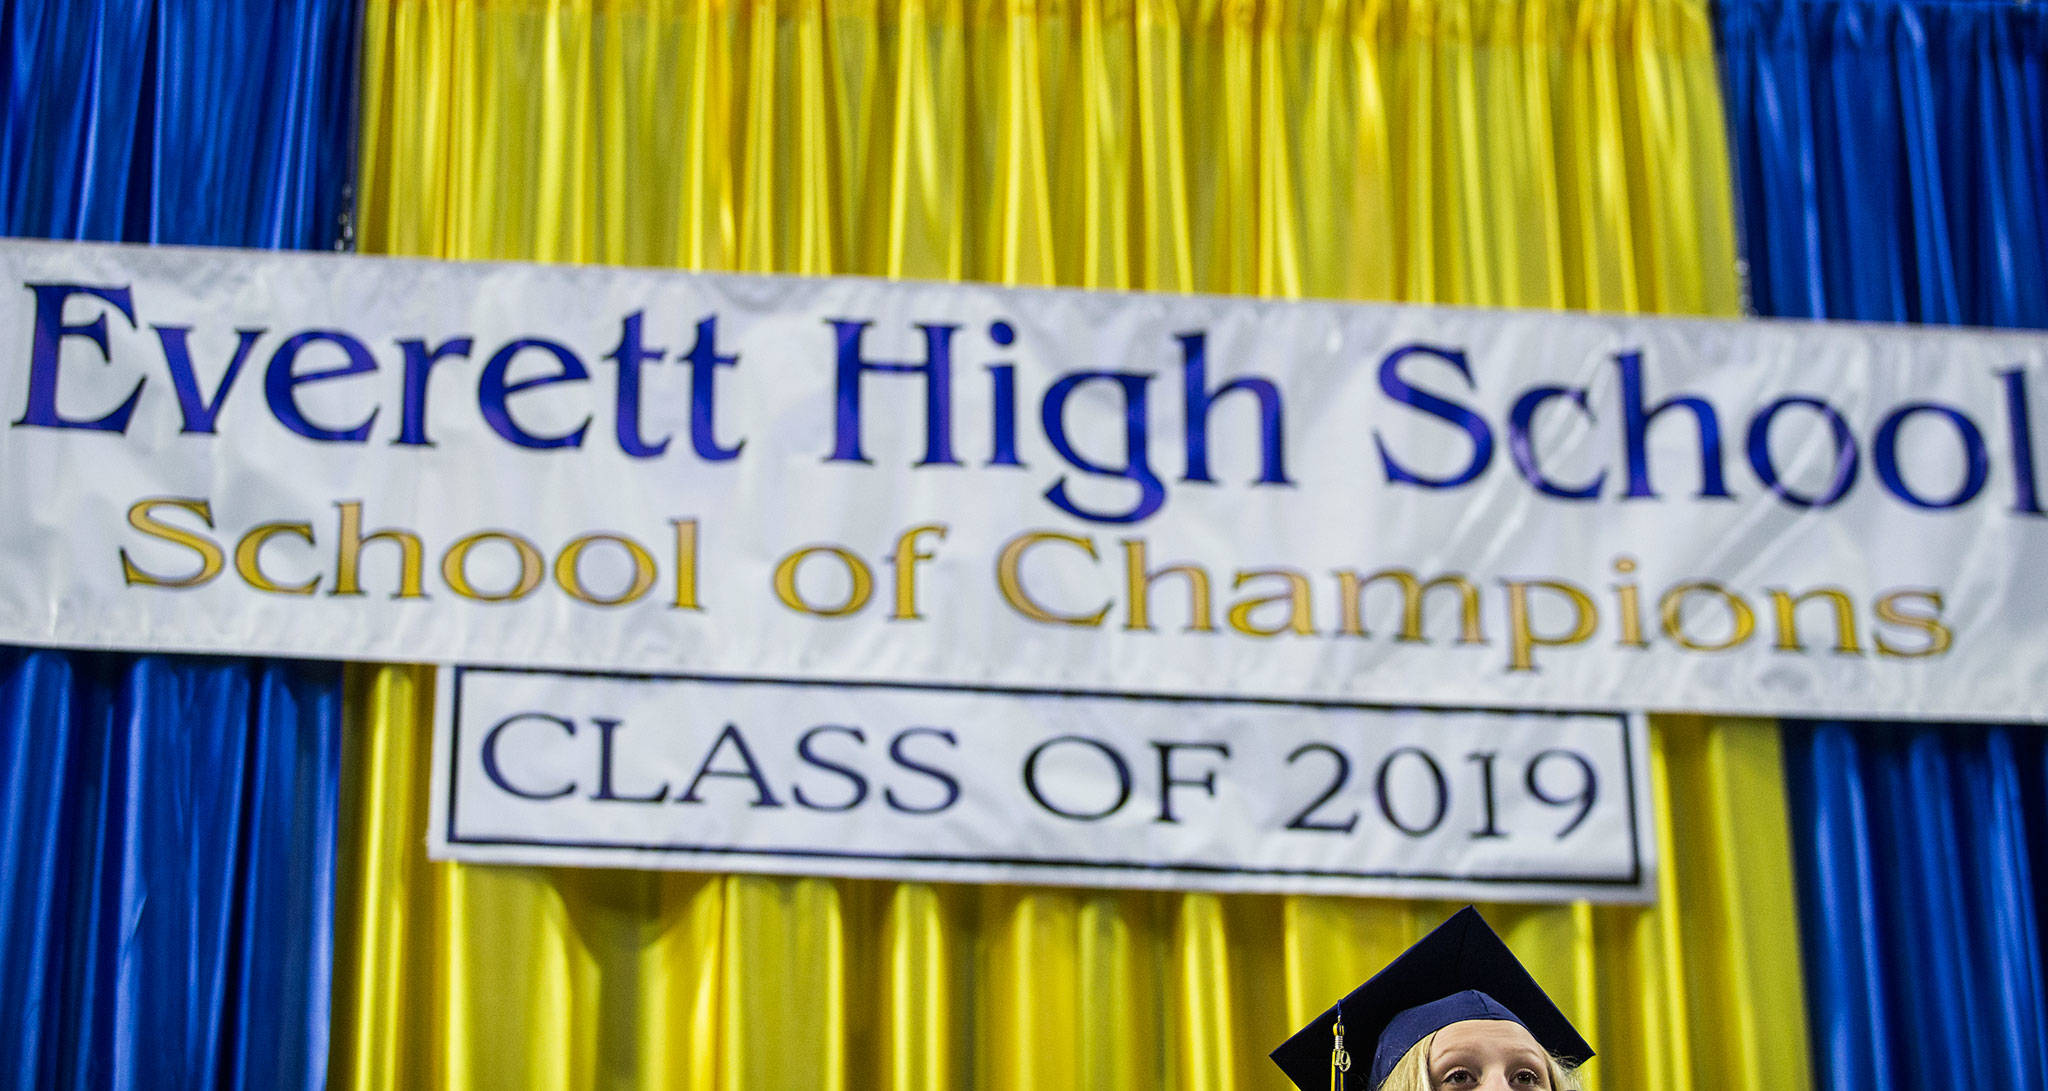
x=1340 y=1061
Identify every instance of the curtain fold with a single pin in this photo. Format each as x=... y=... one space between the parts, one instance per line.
x=1892 y=165
x=1919 y=871
x=168 y=839
x=1547 y=154
x=1540 y=153
x=226 y=123
x=1891 y=157
x=167 y=823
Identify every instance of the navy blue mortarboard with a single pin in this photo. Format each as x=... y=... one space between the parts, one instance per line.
x=1459 y=971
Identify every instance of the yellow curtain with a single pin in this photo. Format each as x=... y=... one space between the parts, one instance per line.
x=1554 y=153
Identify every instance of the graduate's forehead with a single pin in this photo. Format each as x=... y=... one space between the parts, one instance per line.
x=1491 y=1036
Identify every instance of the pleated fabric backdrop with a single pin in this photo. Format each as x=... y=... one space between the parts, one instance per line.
x=227 y=123
x=1893 y=165
x=1890 y=155
x=169 y=847
x=1557 y=153
x=167 y=823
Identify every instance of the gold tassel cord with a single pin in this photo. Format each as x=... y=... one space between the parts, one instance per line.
x=1340 y=1061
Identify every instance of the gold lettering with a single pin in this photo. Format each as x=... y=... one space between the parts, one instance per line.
x=141 y=517
x=862 y=581
x=1672 y=606
x=1631 y=604
x=686 y=564
x=569 y=575
x=1351 y=607
x=1786 y=605
x=905 y=559
x=1299 y=617
x=348 y=554
x=248 y=560
x=1523 y=639
x=454 y=567
x=1139 y=579
x=1009 y=579
x=1939 y=636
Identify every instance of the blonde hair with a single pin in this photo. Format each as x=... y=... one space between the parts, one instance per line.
x=1411 y=1073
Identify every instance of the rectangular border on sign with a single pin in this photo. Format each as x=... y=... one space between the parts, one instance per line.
x=451 y=701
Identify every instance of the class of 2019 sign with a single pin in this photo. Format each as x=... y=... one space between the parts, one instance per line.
x=975 y=784
x=813 y=481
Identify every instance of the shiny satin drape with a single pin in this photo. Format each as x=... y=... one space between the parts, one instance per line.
x=1920 y=854
x=223 y=123
x=1554 y=153
x=1891 y=157
x=1893 y=165
x=167 y=833
x=167 y=823
x=1538 y=152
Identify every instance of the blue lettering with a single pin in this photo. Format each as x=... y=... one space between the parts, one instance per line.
x=1200 y=399
x=1052 y=414
x=1523 y=447
x=1002 y=379
x=1767 y=471
x=1636 y=419
x=1473 y=425
x=1976 y=462
x=419 y=363
x=198 y=411
x=937 y=370
x=704 y=364
x=2026 y=494
x=630 y=355
x=48 y=339
x=280 y=384
x=492 y=393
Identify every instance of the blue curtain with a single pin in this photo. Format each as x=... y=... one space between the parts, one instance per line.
x=1917 y=855
x=168 y=842
x=208 y=122
x=1891 y=157
x=1891 y=163
x=167 y=824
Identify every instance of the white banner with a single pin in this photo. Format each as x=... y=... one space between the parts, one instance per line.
x=844 y=479
x=956 y=784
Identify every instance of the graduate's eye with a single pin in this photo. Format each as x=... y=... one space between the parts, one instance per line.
x=1528 y=1077
x=1458 y=1077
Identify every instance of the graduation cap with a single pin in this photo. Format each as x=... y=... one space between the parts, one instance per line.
x=1460 y=971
